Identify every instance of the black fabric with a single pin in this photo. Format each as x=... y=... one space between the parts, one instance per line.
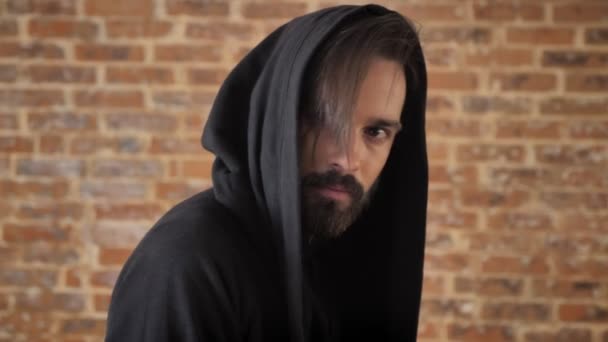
x=228 y=264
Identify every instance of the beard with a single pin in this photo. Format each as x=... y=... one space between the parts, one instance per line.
x=323 y=218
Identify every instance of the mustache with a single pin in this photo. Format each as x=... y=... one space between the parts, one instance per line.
x=333 y=178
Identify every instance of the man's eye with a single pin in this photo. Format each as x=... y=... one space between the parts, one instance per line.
x=376 y=133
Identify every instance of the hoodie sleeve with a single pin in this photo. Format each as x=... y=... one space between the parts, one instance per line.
x=171 y=299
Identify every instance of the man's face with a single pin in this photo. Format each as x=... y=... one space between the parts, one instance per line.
x=337 y=178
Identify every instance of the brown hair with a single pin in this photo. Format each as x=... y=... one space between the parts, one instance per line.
x=339 y=66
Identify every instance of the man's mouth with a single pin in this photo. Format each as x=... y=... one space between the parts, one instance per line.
x=336 y=192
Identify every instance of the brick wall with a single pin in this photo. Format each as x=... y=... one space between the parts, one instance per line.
x=102 y=104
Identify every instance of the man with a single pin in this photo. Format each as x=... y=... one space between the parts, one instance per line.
x=314 y=227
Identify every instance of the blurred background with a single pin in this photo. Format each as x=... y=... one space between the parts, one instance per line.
x=102 y=104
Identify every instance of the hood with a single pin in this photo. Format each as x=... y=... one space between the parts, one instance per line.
x=252 y=130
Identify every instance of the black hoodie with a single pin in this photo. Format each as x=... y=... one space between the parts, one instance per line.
x=228 y=264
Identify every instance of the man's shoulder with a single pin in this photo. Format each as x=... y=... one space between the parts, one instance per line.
x=196 y=228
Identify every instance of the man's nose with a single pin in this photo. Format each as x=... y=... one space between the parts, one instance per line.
x=348 y=156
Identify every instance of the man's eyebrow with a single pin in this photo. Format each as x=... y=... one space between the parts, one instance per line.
x=396 y=125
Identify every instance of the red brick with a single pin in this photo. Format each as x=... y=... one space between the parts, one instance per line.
x=62 y=28
x=58 y=122
x=139 y=8
x=72 y=278
x=144 y=75
x=506 y=10
x=8 y=28
x=29 y=233
x=587 y=82
x=104 y=278
x=188 y=53
x=587 y=129
x=113 y=168
x=561 y=200
x=128 y=211
x=56 y=189
x=112 y=190
x=589 y=267
x=8 y=121
x=566 y=289
x=428 y=330
x=528 y=129
x=583 y=313
x=16 y=144
x=83 y=326
x=582 y=12
x=50 y=167
x=108 y=52
x=174 y=191
x=108 y=98
x=54 y=254
x=52 y=211
x=527 y=312
x=563 y=334
x=183 y=100
x=19 y=277
x=5 y=170
x=44 y=7
x=453 y=175
x=61 y=74
x=197 y=168
x=8 y=73
x=533 y=265
x=480 y=198
x=574 y=106
x=31 y=50
x=498 y=241
x=494 y=104
x=447 y=308
x=452 y=219
x=441 y=198
x=51 y=144
x=432 y=12
x=490 y=287
x=479 y=333
x=453 y=128
x=197 y=8
x=148 y=122
x=485 y=152
x=100 y=144
x=102 y=302
x=220 y=31
x=46 y=301
x=456 y=34
x=452 y=80
x=271 y=10
x=596 y=36
x=137 y=28
x=572 y=155
x=31 y=98
x=443 y=56
x=439 y=104
x=571 y=244
x=206 y=76
x=114 y=256
x=528 y=82
x=438 y=241
x=4 y=302
x=175 y=145
x=575 y=59
x=541 y=35
x=524 y=221
x=504 y=56
x=437 y=151
x=117 y=235
x=456 y=262
x=433 y=285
